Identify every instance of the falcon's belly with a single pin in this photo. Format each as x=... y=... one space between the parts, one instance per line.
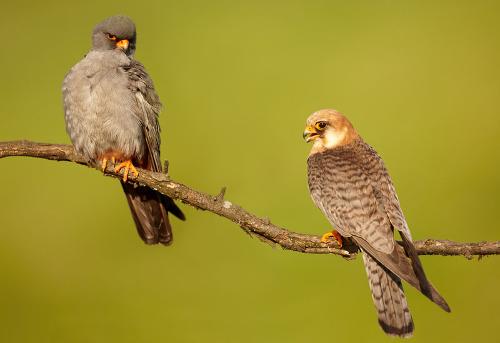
x=99 y=109
x=323 y=192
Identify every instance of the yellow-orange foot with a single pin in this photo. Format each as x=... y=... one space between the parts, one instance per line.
x=333 y=234
x=127 y=166
x=104 y=163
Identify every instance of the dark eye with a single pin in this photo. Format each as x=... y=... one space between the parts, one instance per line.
x=110 y=36
x=321 y=125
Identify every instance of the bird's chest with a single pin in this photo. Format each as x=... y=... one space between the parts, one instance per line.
x=99 y=95
x=323 y=176
x=101 y=110
x=107 y=92
x=315 y=179
x=320 y=174
x=329 y=183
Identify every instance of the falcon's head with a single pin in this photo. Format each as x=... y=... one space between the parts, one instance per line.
x=117 y=32
x=328 y=129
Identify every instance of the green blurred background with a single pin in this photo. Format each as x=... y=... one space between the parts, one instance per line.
x=419 y=79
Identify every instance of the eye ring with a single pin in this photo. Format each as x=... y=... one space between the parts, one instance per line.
x=321 y=125
x=110 y=36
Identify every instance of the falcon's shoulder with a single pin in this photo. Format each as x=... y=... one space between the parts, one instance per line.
x=148 y=108
x=140 y=82
x=381 y=182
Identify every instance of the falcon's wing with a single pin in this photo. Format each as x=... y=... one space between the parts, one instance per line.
x=384 y=189
x=344 y=193
x=148 y=109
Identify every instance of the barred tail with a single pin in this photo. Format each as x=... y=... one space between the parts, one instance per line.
x=387 y=293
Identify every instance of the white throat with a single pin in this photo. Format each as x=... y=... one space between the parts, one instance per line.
x=331 y=139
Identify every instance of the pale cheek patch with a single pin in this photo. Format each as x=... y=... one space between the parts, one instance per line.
x=332 y=138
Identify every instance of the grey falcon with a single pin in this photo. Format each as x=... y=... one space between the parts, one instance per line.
x=350 y=184
x=111 y=112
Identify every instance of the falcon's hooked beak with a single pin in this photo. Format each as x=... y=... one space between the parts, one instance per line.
x=310 y=134
x=122 y=44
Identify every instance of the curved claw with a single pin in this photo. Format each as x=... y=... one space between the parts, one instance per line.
x=128 y=166
x=105 y=160
x=325 y=238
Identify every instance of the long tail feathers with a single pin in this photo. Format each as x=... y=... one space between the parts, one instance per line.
x=387 y=293
x=172 y=207
x=425 y=285
x=405 y=267
x=150 y=212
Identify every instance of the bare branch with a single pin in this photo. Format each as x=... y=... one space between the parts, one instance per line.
x=253 y=225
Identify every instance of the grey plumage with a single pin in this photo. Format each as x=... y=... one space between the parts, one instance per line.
x=111 y=111
x=350 y=184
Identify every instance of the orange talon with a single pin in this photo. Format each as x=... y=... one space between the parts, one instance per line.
x=334 y=234
x=128 y=167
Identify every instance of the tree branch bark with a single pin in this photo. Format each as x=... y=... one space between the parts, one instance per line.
x=251 y=224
